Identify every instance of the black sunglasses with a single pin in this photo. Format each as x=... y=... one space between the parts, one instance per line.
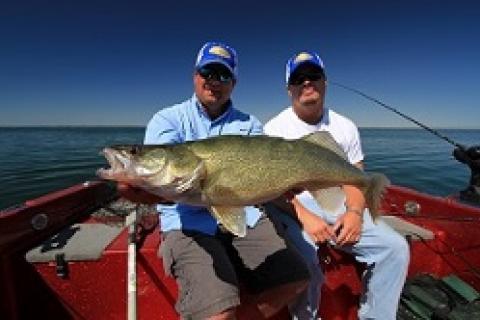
x=298 y=79
x=224 y=76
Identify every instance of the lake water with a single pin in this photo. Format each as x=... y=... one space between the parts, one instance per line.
x=35 y=161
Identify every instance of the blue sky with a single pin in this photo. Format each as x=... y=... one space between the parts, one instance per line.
x=118 y=62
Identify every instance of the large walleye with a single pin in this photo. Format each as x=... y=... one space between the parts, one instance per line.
x=228 y=172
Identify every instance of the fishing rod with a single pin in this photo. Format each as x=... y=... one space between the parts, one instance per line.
x=418 y=123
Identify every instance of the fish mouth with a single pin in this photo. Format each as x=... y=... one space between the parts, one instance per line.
x=123 y=167
x=119 y=162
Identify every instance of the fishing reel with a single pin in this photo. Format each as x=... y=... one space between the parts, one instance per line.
x=471 y=157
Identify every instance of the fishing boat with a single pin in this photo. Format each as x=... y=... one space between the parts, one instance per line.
x=64 y=255
x=85 y=252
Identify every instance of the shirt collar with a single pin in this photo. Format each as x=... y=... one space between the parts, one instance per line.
x=201 y=109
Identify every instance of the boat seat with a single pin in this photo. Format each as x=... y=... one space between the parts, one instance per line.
x=78 y=242
x=406 y=228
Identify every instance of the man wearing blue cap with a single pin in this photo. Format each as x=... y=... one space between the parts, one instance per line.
x=350 y=227
x=206 y=260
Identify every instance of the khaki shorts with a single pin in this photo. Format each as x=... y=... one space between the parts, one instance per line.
x=208 y=268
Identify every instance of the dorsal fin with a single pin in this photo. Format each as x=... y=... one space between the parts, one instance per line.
x=325 y=139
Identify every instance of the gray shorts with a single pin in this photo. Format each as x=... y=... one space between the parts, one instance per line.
x=208 y=268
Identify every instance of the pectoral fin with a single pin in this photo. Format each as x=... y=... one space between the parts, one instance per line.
x=232 y=218
x=330 y=199
x=193 y=180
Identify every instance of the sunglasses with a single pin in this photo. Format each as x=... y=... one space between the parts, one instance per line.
x=209 y=74
x=300 y=78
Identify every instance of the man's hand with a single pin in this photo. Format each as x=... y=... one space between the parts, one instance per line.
x=315 y=226
x=138 y=195
x=348 y=228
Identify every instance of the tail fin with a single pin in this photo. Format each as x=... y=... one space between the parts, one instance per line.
x=374 y=193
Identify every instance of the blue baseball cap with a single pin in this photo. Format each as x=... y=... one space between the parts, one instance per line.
x=302 y=58
x=217 y=52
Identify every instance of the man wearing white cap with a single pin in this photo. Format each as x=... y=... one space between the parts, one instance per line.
x=207 y=261
x=351 y=228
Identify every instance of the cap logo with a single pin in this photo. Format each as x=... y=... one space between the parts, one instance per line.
x=303 y=56
x=220 y=51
